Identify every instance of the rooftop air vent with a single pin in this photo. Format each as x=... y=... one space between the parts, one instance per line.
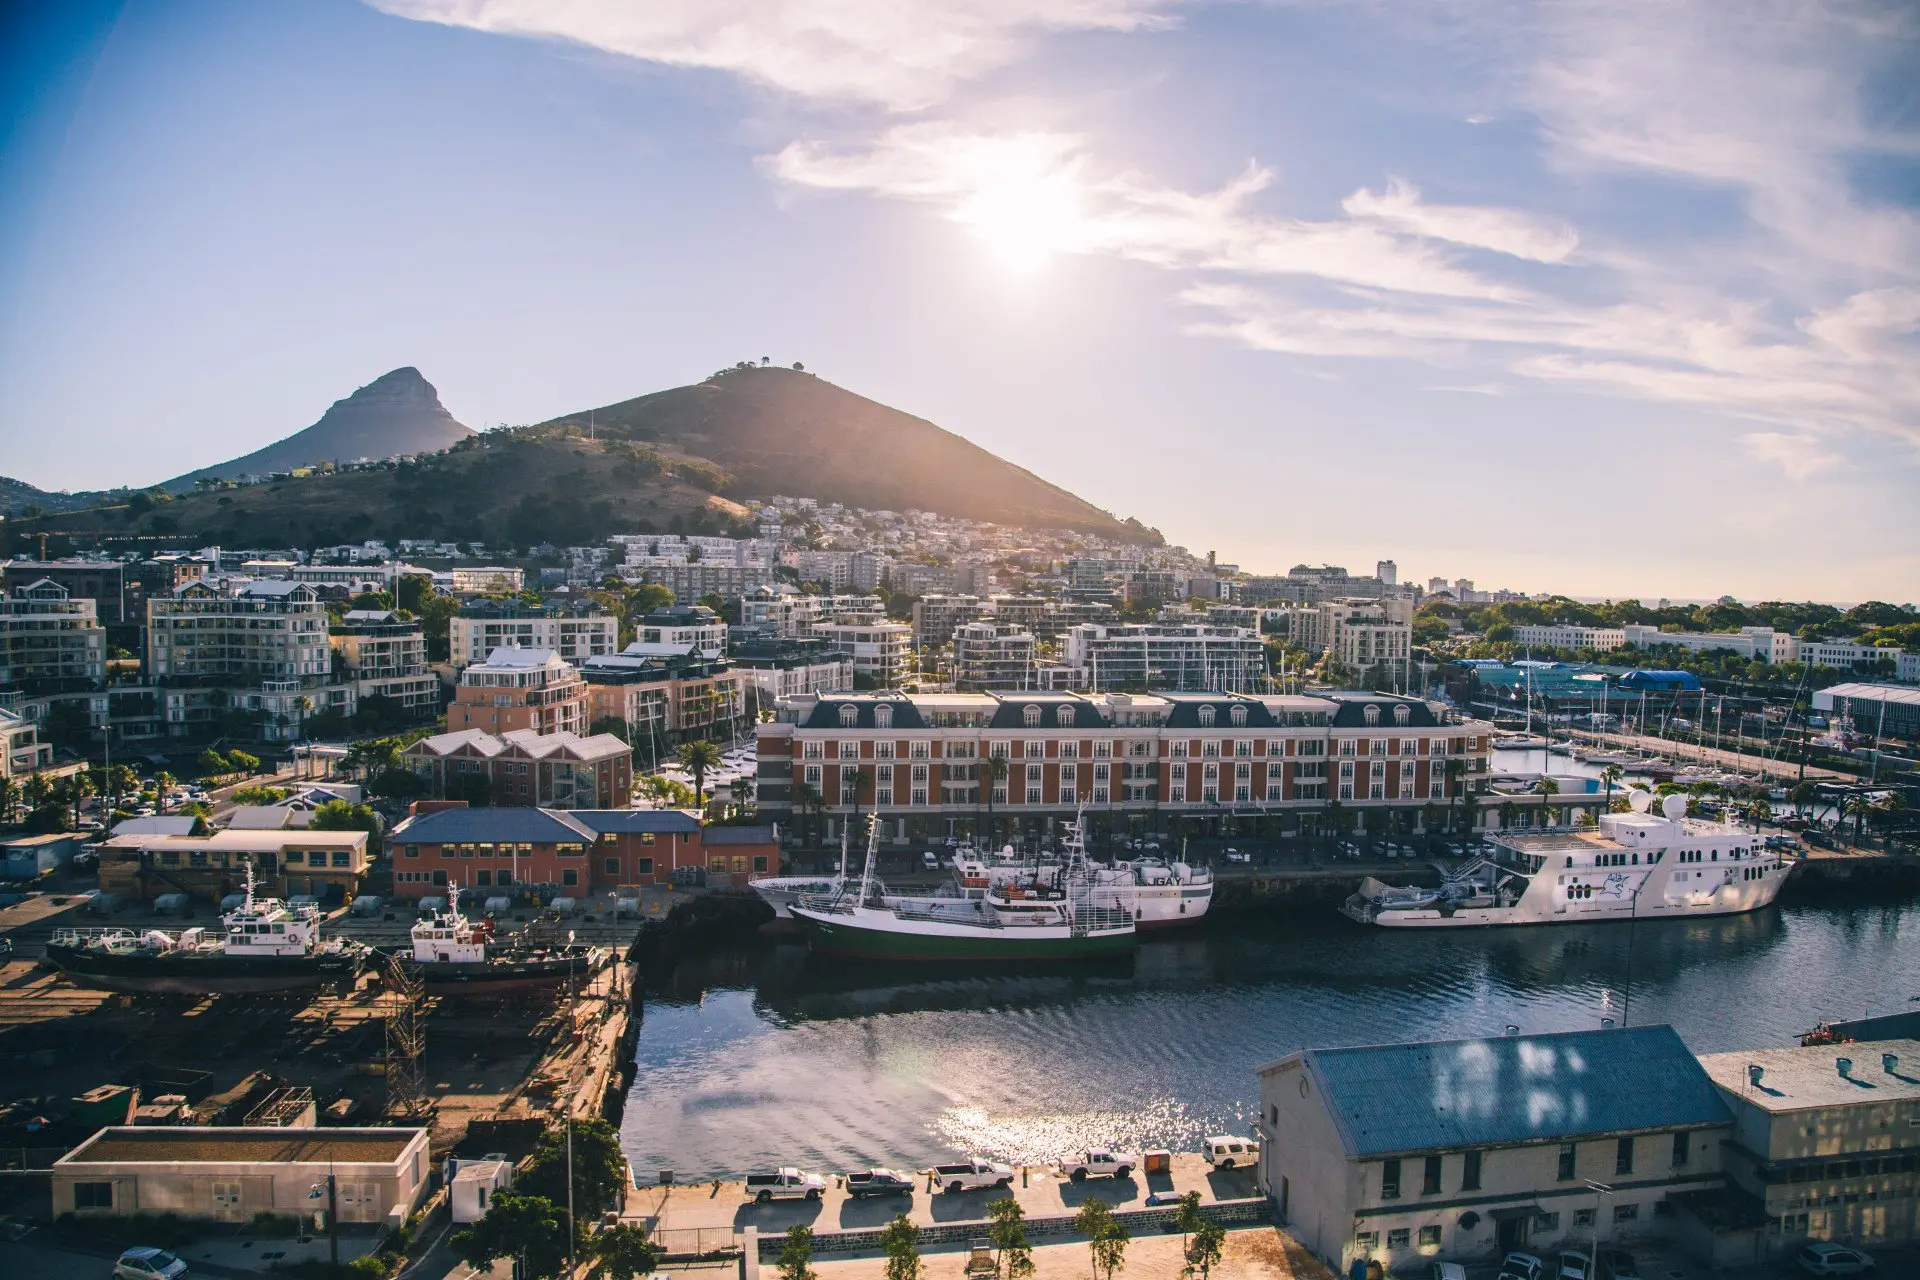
x=1844 y=1066
x=1890 y=1063
x=1754 y=1074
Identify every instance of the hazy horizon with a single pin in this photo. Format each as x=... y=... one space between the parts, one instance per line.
x=1586 y=298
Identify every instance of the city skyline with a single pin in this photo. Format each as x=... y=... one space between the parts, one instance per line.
x=1528 y=289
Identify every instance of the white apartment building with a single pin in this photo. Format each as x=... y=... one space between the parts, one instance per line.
x=676 y=633
x=385 y=658
x=780 y=610
x=791 y=667
x=576 y=632
x=260 y=631
x=992 y=655
x=1164 y=656
x=486 y=580
x=935 y=617
x=21 y=751
x=1763 y=643
x=1566 y=635
x=1844 y=655
x=702 y=578
x=881 y=649
x=49 y=641
x=918 y=758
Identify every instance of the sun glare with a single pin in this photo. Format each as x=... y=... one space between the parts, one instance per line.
x=1023 y=209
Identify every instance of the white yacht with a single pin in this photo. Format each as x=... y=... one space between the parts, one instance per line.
x=1636 y=865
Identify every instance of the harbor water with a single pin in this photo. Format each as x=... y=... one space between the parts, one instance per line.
x=762 y=1055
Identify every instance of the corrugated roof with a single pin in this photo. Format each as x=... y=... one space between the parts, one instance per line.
x=514 y=825
x=1504 y=1091
x=631 y=821
x=256 y=1144
x=736 y=835
x=1809 y=1075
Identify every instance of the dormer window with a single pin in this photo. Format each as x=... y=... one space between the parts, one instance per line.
x=1402 y=715
x=849 y=716
x=1206 y=717
x=1372 y=716
x=883 y=717
x=1030 y=716
x=1063 y=716
x=1238 y=715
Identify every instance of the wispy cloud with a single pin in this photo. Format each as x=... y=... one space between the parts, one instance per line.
x=1797 y=455
x=1502 y=230
x=902 y=55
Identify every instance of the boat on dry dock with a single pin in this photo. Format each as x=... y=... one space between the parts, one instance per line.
x=457 y=956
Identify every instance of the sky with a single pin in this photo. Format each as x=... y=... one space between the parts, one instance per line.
x=1607 y=298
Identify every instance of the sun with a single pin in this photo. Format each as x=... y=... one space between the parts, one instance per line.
x=1024 y=209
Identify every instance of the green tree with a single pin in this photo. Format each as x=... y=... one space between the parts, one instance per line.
x=1803 y=795
x=796 y=1254
x=243 y=761
x=1204 y=1250
x=993 y=772
x=1187 y=1217
x=1548 y=789
x=1007 y=1230
x=1106 y=1238
x=599 y=1170
x=698 y=759
x=302 y=708
x=1859 y=808
x=622 y=1253
x=900 y=1240
x=1610 y=775
x=517 y=1225
x=9 y=798
x=338 y=815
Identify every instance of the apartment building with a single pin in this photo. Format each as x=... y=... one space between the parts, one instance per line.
x=521 y=767
x=576 y=630
x=268 y=630
x=1844 y=655
x=993 y=655
x=778 y=668
x=1763 y=643
x=533 y=689
x=385 y=658
x=881 y=649
x=49 y=641
x=664 y=701
x=1567 y=635
x=922 y=760
x=1826 y=1138
x=486 y=580
x=550 y=853
x=935 y=617
x=1405 y=1154
x=105 y=582
x=779 y=610
x=1157 y=655
x=703 y=578
x=685 y=631
x=21 y=751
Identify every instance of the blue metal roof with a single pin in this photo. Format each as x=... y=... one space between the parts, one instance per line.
x=632 y=821
x=1664 y=680
x=505 y=825
x=1505 y=1091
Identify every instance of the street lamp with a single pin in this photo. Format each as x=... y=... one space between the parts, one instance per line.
x=1601 y=1191
x=326 y=1188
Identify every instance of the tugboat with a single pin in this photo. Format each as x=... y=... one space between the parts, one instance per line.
x=457 y=956
x=264 y=945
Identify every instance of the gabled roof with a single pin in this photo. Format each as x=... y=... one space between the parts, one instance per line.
x=476 y=741
x=1510 y=1090
x=165 y=824
x=515 y=825
x=267 y=817
x=736 y=835
x=635 y=821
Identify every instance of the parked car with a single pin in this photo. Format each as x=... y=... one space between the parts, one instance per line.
x=878 y=1182
x=1235 y=855
x=1834 y=1260
x=144 y=1262
x=1618 y=1264
x=1521 y=1266
x=1224 y=1152
x=784 y=1184
x=1100 y=1164
x=1574 y=1264
x=930 y=861
x=973 y=1175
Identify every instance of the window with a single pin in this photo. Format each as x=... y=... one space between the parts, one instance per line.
x=1063 y=716
x=1430 y=1179
x=1371 y=715
x=1206 y=717
x=810 y=751
x=1069 y=751
x=644 y=867
x=1033 y=795
x=611 y=866
x=93 y=1195
x=812 y=776
x=570 y=876
x=1036 y=751
x=883 y=751
x=1626 y=1213
x=883 y=717
x=1582 y=1218
x=849 y=749
x=918 y=749
x=1366 y=1241
x=1545 y=1223
x=1402 y=715
x=484 y=879
x=849 y=716
x=1390 y=1180
x=1566 y=1163
x=1397 y=1237
x=1030 y=715
x=1623 y=1156
x=1470 y=1172
x=1679 y=1149
x=1429 y=1236
x=1238 y=716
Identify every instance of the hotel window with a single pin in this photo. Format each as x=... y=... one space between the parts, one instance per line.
x=849 y=716
x=1274 y=747
x=1399 y=1237
x=1104 y=750
x=1033 y=775
x=1437 y=747
x=882 y=796
x=1437 y=790
x=1378 y=791
x=1036 y=751
x=1389 y=1179
x=1274 y=792
x=1069 y=751
x=919 y=774
x=1243 y=748
x=1206 y=717
x=1379 y=769
x=1033 y=795
x=1371 y=715
x=1030 y=716
x=1180 y=749
x=1623 y=1155
x=1068 y=794
x=1401 y=715
x=1100 y=775
x=1406 y=788
x=1429 y=1235
x=918 y=750
x=1237 y=716
x=1470 y=1171
x=883 y=751
x=1000 y=750
x=919 y=797
x=1430 y=1177
x=883 y=717
x=1406 y=746
x=1348 y=746
x=810 y=750
x=849 y=749
x=1679 y=1149
x=1346 y=768
x=1242 y=792
x=1379 y=746
x=1210 y=748
x=1176 y=794
x=812 y=776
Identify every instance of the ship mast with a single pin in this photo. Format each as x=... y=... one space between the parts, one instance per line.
x=873 y=840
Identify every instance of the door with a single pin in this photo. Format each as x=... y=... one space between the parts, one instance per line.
x=1510 y=1234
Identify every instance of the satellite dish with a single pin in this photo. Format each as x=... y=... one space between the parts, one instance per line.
x=1674 y=806
x=1640 y=801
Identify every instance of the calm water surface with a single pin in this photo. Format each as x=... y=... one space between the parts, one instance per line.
x=764 y=1055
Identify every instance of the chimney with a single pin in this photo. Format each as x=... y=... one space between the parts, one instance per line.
x=1890 y=1063
x=1845 y=1067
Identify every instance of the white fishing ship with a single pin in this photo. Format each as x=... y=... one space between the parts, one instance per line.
x=1159 y=894
x=781 y=892
x=1636 y=865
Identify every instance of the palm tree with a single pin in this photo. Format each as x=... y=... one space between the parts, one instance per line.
x=1456 y=776
x=1859 y=808
x=79 y=787
x=812 y=804
x=36 y=791
x=304 y=706
x=697 y=758
x=9 y=797
x=1803 y=795
x=1508 y=810
x=1610 y=775
x=992 y=773
x=1548 y=789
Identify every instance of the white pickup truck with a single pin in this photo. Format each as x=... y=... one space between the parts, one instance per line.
x=1100 y=1164
x=973 y=1174
x=784 y=1184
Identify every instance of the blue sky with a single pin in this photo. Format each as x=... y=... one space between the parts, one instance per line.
x=1607 y=298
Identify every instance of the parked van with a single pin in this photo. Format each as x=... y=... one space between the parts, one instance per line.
x=1232 y=1153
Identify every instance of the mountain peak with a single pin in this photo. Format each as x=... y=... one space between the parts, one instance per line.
x=397 y=413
